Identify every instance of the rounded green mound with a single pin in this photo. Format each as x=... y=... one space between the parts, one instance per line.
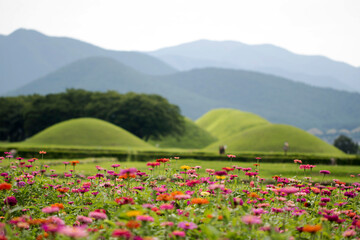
x=271 y=138
x=86 y=132
x=224 y=122
x=194 y=137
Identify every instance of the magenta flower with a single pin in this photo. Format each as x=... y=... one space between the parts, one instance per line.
x=325 y=172
x=115 y=165
x=11 y=201
x=121 y=233
x=166 y=206
x=178 y=233
x=187 y=225
x=128 y=171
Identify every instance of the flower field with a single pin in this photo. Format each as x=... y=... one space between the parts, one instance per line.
x=176 y=199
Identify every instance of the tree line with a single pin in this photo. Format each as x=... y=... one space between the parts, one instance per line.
x=144 y=115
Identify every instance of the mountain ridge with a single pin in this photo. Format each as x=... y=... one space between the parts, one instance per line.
x=200 y=90
x=37 y=54
x=263 y=57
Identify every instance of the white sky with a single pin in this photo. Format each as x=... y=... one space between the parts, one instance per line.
x=314 y=27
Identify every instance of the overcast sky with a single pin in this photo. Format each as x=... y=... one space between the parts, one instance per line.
x=314 y=27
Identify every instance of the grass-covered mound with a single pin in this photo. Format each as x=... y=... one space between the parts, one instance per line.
x=223 y=123
x=194 y=137
x=86 y=132
x=271 y=138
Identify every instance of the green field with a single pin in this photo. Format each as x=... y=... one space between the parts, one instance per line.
x=86 y=132
x=267 y=170
x=223 y=123
x=271 y=138
x=242 y=131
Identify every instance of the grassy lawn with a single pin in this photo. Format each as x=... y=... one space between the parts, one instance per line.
x=267 y=170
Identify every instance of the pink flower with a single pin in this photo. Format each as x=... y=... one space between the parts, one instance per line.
x=145 y=218
x=50 y=209
x=167 y=224
x=250 y=220
x=179 y=233
x=84 y=219
x=166 y=207
x=73 y=232
x=97 y=215
x=349 y=233
x=121 y=233
x=325 y=172
x=187 y=225
x=289 y=190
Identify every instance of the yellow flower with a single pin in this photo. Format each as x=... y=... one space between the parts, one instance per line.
x=185 y=167
x=204 y=193
x=133 y=213
x=220 y=177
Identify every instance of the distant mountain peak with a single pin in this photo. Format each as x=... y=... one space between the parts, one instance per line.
x=24 y=31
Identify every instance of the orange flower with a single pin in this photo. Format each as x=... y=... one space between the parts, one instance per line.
x=125 y=176
x=199 y=201
x=74 y=163
x=133 y=224
x=36 y=221
x=62 y=190
x=176 y=193
x=312 y=229
x=5 y=186
x=253 y=195
x=164 y=197
x=58 y=205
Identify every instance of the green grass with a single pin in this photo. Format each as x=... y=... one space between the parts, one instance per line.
x=271 y=138
x=223 y=123
x=85 y=132
x=267 y=170
x=193 y=137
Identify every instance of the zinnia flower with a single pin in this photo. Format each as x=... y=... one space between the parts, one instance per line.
x=11 y=201
x=73 y=232
x=178 y=233
x=187 y=225
x=5 y=186
x=121 y=233
x=97 y=215
x=312 y=229
x=250 y=219
x=145 y=218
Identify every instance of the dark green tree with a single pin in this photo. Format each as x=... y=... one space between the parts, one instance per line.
x=147 y=116
x=141 y=114
x=346 y=144
x=12 y=120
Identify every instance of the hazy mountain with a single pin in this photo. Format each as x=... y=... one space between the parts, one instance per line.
x=314 y=70
x=26 y=55
x=102 y=74
x=197 y=91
